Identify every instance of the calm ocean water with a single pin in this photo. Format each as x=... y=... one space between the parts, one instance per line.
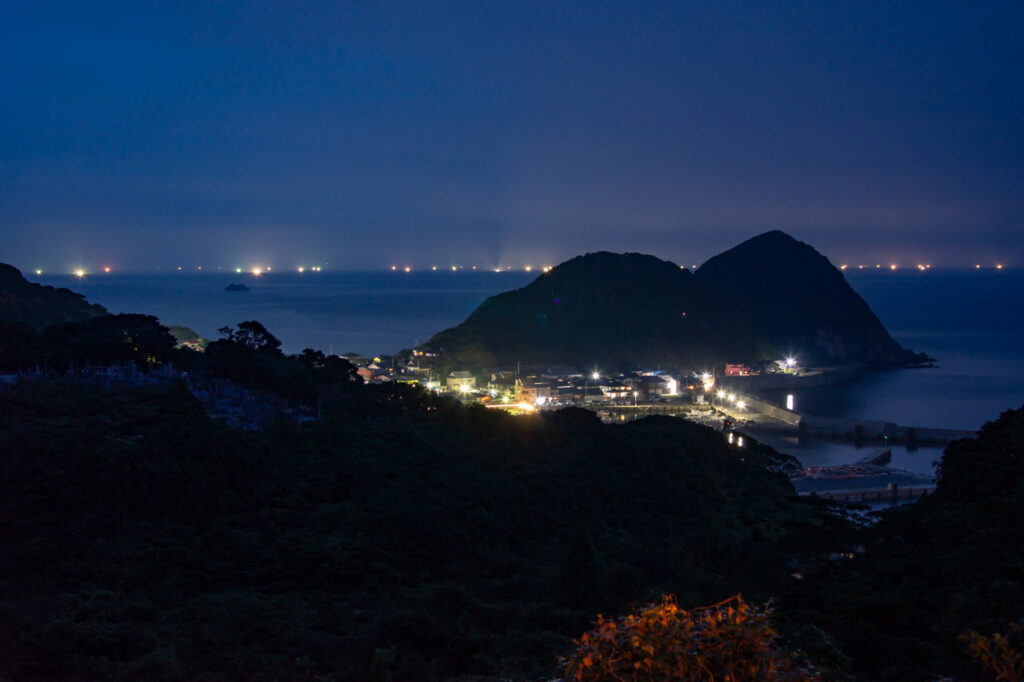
x=970 y=321
x=362 y=312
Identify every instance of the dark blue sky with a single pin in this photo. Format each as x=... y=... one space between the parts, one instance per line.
x=365 y=134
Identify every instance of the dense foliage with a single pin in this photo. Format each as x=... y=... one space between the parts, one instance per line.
x=932 y=570
x=100 y=341
x=36 y=306
x=769 y=296
x=731 y=641
x=616 y=310
x=405 y=536
x=801 y=302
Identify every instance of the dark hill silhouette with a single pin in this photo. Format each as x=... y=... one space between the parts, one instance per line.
x=36 y=306
x=801 y=302
x=606 y=309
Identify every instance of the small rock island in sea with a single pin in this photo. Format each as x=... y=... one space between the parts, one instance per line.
x=236 y=287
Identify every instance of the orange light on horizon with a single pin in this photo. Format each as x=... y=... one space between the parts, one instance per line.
x=107 y=268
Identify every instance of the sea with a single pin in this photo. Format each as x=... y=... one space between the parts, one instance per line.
x=970 y=321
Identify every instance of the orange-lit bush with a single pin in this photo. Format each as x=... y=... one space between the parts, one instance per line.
x=1001 y=655
x=727 y=642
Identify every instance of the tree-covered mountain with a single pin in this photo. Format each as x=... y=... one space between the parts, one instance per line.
x=404 y=537
x=36 y=306
x=610 y=310
x=801 y=302
x=771 y=295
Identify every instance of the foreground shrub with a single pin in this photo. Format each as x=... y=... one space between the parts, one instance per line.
x=728 y=642
x=1001 y=655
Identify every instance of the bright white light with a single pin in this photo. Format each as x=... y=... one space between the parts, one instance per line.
x=257 y=272
x=408 y=269
x=541 y=399
x=730 y=438
x=464 y=388
x=79 y=273
x=39 y=272
x=107 y=269
x=732 y=397
x=528 y=268
x=739 y=441
x=238 y=270
x=393 y=268
x=721 y=395
x=454 y=268
x=434 y=268
x=302 y=269
x=790 y=362
x=595 y=376
x=789 y=402
x=741 y=404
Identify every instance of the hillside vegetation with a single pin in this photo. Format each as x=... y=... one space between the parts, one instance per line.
x=771 y=296
x=36 y=307
x=607 y=309
x=801 y=302
x=405 y=536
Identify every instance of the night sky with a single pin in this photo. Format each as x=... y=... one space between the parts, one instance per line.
x=153 y=134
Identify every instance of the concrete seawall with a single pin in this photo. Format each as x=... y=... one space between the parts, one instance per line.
x=776 y=419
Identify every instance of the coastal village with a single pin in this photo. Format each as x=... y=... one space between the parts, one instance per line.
x=529 y=387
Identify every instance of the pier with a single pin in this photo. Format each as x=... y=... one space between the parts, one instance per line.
x=767 y=417
x=892 y=494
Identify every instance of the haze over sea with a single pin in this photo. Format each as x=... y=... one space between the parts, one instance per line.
x=969 y=320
